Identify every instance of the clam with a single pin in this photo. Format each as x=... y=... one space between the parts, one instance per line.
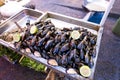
x=37 y=54
x=52 y=62
x=27 y=50
x=71 y=71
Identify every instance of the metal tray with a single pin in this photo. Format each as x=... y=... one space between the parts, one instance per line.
x=58 y=19
x=21 y=18
x=105 y=14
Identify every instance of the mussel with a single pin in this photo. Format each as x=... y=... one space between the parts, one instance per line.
x=65 y=47
x=64 y=60
x=27 y=50
x=57 y=38
x=44 y=32
x=82 y=54
x=41 y=42
x=87 y=57
x=73 y=44
x=63 y=37
x=44 y=54
x=33 y=41
x=56 y=49
x=49 y=44
x=91 y=62
x=81 y=45
x=93 y=40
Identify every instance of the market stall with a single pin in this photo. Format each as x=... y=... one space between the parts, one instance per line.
x=76 y=40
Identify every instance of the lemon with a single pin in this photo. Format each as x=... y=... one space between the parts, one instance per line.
x=75 y=34
x=16 y=37
x=33 y=29
x=85 y=71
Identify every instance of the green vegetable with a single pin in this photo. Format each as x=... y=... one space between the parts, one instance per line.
x=14 y=57
x=32 y=64
x=10 y=54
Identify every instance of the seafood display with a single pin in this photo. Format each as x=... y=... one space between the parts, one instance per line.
x=73 y=49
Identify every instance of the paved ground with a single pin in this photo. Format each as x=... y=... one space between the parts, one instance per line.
x=116 y=8
x=107 y=68
x=9 y=71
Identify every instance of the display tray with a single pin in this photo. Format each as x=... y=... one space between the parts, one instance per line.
x=21 y=18
x=99 y=16
x=60 y=21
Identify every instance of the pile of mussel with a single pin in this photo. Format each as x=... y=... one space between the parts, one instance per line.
x=70 y=48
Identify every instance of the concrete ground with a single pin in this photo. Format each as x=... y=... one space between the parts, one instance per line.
x=107 y=68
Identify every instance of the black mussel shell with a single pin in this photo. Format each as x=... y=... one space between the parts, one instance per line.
x=64 y=60
x=56 y=49
x=18 y=46
x=82 y=54
x=73 y=44
x=91 y=63
x=81 y=45
x=44 y=54
x=65 y=47
x=40 y=42
x=87 y=57
x=66 y=29
x=33 y=41
x=63 y=37
x=49 y=44
x=57 y=39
